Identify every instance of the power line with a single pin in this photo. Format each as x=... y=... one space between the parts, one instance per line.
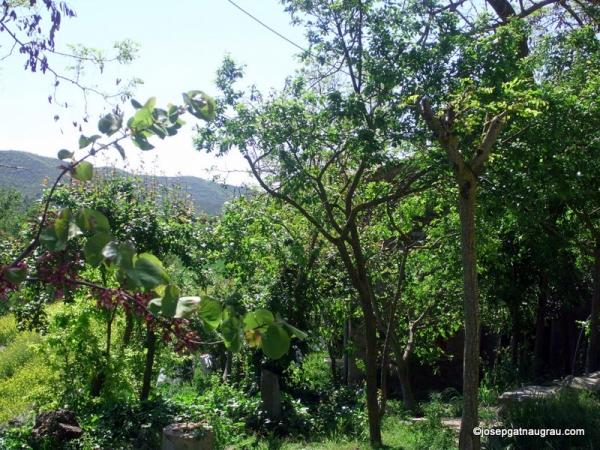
x=256 y=19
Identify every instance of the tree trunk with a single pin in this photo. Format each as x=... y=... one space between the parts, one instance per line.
x=128 y=328
x=470 y=419
x=408 y=397
x=227 y=368
x=540 y=329
x=514 y=334
x=270 y=394
x=346 y=343
x=151 y=350
x=371 y=377
x=402 y=357
x=333 y=366
x=360 y=280
x=591 y=357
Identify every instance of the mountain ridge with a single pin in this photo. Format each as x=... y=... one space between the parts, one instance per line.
x=26 y=173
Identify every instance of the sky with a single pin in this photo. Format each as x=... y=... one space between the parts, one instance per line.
x=182 y=44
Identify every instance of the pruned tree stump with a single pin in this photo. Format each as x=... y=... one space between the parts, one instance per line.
x=188 y=436
x=60 y=426
x=270 y=393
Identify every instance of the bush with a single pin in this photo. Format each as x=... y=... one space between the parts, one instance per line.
x=17 y=353
x=311 y=374
x=125 y=425
x=31 y=385
x=341 y=413
x=76 y=345
x=8 y=329
x=430 y=433
x=568 y=409
x=228 y=409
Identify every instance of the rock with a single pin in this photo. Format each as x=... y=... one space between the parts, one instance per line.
x=529 y=393
x=589 y=382
x=526 y=393
x=60 y=426
x=188 y=436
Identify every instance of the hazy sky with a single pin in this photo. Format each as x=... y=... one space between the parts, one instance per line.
x=182 y=45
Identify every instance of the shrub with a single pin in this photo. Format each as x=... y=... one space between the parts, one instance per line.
x=311 y=374
x=31 y=385
x=568 y=409
x=8 y=328
x=17 y=353
x=76 y=345
x=342 y=412
x=228 y=408
x=430 y=433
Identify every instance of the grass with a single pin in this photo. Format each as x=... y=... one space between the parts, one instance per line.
x=26 y=387
x=569 y=409
x=24 y=375
x=8 y=329
x=397 y=434
x=17 y=353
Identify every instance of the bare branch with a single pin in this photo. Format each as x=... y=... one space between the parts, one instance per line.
x=492 y=129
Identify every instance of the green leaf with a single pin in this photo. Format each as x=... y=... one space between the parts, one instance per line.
x=150 y=271
x=141 y=142
x=15 y=275
x=136 y=104
x=257 y=319
x=84 y=141
x=169 y=301
x=51 y=240
x=293 y=331
x=186 y=306
x=210 y=312
x=231 y=329
x=120 y=149
x=200 y=105
x=74 y=230
x=55 y=236
x=155 y=306
x=83 y=171
x=65 y=154
x=141 y=120
x=110 y=124
x=92 y=221
x=94 y=246
x=275 y=341
x=120 y=253
x=150 y=103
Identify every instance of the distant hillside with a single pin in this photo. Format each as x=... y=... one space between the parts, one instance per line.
x=207 y=196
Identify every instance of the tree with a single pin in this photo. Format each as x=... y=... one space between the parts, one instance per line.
x=500 y=93
x=560 y=153
x=334 y=153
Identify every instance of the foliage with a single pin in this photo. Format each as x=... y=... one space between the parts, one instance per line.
x=570 y=409
x=206 y=195
x=75 y=345
x=312 y=373
x=8 y=329
x=17 y=353
x=29 y=386
x=431 y=432
x=355 y=241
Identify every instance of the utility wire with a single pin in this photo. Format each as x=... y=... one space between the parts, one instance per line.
x=256 y=19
